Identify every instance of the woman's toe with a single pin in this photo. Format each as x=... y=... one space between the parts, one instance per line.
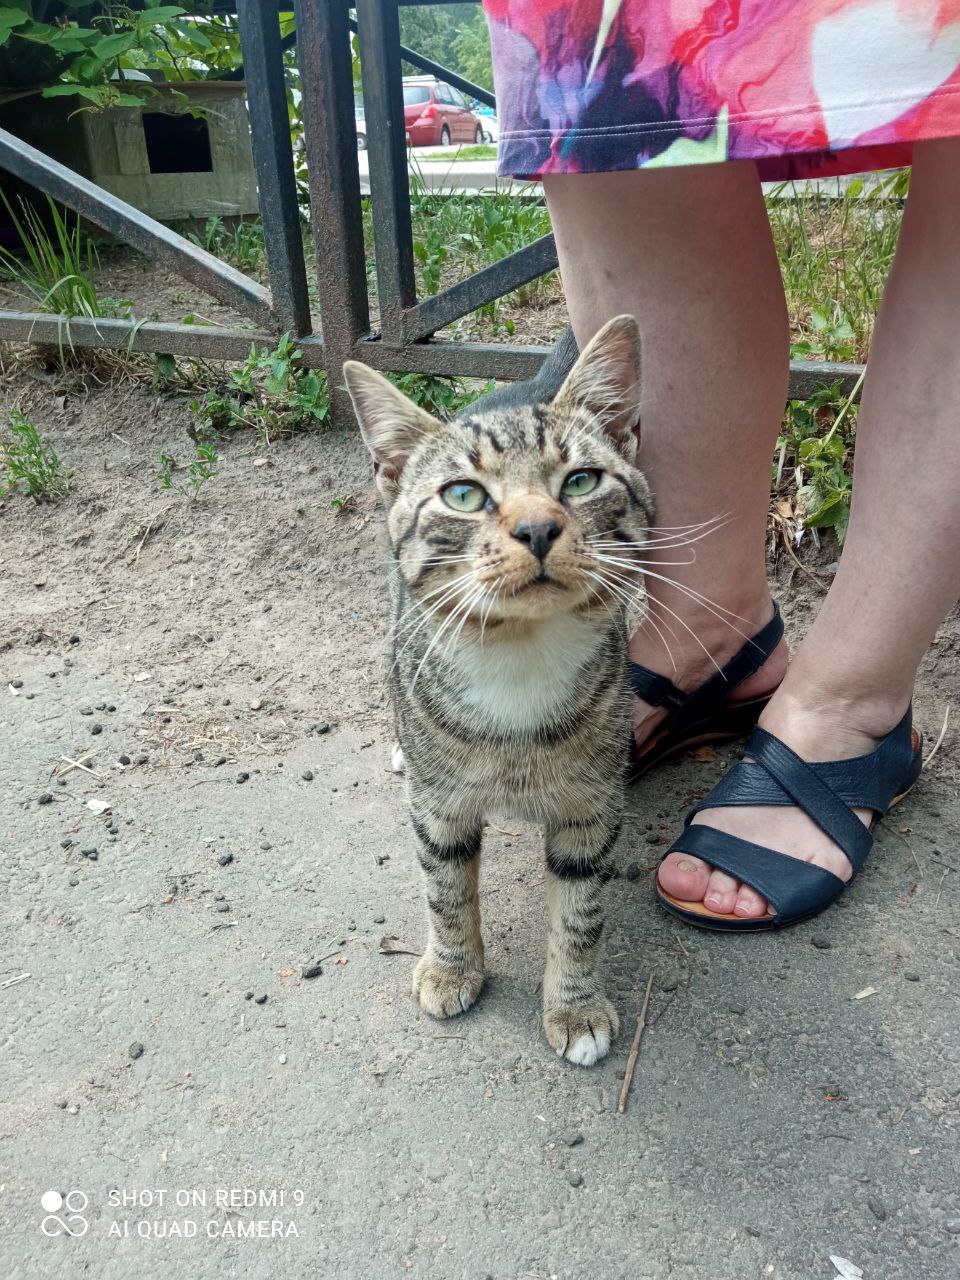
x=721 y=892
x=749 y=904
x=684 y=877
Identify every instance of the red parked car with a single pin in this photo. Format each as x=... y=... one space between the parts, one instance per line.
x=437 y=114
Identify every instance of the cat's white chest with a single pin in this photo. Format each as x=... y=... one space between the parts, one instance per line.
x=520 y=685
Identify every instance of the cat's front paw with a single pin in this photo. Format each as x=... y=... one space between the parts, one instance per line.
x=445 y=992
x=581 y=1033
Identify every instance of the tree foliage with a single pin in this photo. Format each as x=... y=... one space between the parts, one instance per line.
x=455 y=35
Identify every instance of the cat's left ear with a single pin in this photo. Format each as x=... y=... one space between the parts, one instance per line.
x=391 y=425
x=605 y=382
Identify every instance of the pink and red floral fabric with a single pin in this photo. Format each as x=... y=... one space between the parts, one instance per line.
x=807 y=88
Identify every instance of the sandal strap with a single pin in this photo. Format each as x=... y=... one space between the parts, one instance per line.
x=794 y=888
x=811 y=794
x=687 y=708
x=864 y=782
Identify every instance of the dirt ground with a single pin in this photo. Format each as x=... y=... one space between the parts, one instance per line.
x=218 y=666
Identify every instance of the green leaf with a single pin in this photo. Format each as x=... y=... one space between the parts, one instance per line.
x=10 y=19
x=111 y=46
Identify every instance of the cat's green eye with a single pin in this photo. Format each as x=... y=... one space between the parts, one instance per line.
x=578 y=483
x=464 y=496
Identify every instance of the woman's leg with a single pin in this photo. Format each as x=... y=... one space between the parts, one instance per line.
x=689 y=252
x=852 y=677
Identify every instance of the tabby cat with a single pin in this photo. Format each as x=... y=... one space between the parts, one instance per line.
x=509 y=651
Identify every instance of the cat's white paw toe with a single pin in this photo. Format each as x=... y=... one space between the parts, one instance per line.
x=582 y=1033
x=589 y=1049
x=396 y=758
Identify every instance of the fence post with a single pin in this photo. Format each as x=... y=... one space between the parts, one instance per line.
x=325 y=61
x=273 y=157
x=379 y=30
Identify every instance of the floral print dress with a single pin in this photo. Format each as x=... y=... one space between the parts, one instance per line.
x=806 y=88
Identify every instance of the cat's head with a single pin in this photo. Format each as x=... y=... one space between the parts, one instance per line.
x=513 y=509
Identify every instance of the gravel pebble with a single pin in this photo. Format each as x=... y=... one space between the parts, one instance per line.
x=46 y=798
x=259 y=999
x=312 y=971
x=574 y=1140
x=575 y=1178
x=74 y=881
x=307 y=775
x=222 y=906
x=90 y=853
x=321 y=728
x=225 y=859
x=911 y=975
x=124 y=760
x=653 y=837
x=17 y=684
x=96 y=728
x=820 y=942
x=379 y=919
x=242 y=777
x=266 y=846
x=136 y=1050
x=633 y=871
x=953 y=1226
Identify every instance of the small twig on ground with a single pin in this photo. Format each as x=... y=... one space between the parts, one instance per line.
x=78 y=764
x=227 y=924
x=936 y=745
x=394 y=947
x=634 y=1049
x=940 y=888
x=146 y=534
x=12 y=982
x=815 y=577
x=681 y=946
x=503 y=831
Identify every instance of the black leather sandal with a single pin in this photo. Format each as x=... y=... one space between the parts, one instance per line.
x=705 y=714
x=773 y=774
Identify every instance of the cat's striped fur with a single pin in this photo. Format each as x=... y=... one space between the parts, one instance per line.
x=511 y=692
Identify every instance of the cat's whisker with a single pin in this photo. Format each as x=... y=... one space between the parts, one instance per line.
x=453 y=590
x=711 y=605
x=466 y=606
x=447 y=622
x=683 y=624
x=648 y=617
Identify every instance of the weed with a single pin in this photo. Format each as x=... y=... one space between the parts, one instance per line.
x=200 y=469
x=57 y=270
x=813 y=455
x=29 y=460
x=443 y=397
x=270 y=392
x=240 y=244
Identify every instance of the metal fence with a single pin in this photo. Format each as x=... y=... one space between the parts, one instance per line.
x=403 y=339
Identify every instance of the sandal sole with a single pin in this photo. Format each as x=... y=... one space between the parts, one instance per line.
x=734 y=722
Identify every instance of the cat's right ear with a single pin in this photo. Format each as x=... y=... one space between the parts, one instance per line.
x=391 y=425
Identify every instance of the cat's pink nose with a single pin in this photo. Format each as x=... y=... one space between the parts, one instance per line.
x=538 y=535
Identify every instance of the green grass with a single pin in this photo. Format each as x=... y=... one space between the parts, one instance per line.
x=240 y=243
x=58 y=263
x=476 y=151
x=29 y=464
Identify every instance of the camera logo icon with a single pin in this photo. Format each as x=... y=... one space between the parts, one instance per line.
x=71 y=1222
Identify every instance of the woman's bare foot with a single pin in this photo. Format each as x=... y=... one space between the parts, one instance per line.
x=817 y=729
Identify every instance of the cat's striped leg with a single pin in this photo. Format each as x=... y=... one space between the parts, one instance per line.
x=578 y=1019
x=449 y=977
